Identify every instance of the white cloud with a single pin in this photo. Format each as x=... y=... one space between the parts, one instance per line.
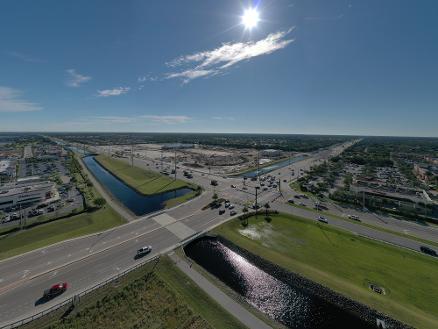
x=147 y=77
x=11 y=101
x=113 y=92
x=74 y=79
x=167 y=119
x=224 y=118
x=212 y=62
x=23 y=57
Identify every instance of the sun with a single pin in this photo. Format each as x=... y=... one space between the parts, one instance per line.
x=250 y=18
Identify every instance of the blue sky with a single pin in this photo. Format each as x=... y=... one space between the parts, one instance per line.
x=317 y=67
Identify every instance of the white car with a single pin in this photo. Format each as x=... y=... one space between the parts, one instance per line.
x=231 y=206
x=322 y=219
x=354 y=217
x=143 y=251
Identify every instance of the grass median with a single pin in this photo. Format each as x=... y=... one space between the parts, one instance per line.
x=59 y=230
x=157 y=295
x=375 y=227
x=347 y=264
x=145 y=181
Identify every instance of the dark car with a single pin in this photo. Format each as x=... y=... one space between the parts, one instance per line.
x=221 y=211
x=428 y=251
x=55 y=290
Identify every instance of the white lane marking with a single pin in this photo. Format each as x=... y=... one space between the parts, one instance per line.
x=69 y=255
x=54 y=274
x=1 y=280
x=43 y=251
x=49 y=262
x=25 y=272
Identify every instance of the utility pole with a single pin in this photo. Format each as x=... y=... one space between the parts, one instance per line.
x=258 y=163
x=256 y=201
x=175 y=164
x=363 y=200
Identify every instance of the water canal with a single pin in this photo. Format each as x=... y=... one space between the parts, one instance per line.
x=281 y=301
x=272 y=167
x=138 y=203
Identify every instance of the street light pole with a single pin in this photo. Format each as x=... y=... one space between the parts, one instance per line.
x=256 y=201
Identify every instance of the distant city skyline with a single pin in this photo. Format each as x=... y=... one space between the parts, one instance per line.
x=344 y=67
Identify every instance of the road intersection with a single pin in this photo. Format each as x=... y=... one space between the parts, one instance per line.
x=86 y=261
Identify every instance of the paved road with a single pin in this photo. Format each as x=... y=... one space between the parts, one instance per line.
x=86 y=261
x=233 y=307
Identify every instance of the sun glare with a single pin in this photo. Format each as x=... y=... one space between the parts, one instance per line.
x=250 y=18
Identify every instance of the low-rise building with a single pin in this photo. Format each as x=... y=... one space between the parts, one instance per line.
x=271 y=153
x=7 y=168
x=13 y=195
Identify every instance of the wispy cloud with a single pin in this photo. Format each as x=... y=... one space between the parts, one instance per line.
x=128 y=121
x=113 y=92
x=24 y=57
x=11 y=101
x=224 y=118
x=167 y=119
x=112 y=119
x=147 y=77
x=216 y=61
x=74 y=79
x=324 y=18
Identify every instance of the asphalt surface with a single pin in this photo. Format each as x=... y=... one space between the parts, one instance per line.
x=86 y=261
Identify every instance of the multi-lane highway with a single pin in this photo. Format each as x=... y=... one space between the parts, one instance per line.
x=86 y=261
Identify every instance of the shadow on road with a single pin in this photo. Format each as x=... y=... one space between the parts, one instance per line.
x=42 y=300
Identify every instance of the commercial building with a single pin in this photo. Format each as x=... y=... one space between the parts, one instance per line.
x=177 y=146
x=25 y=194
x=271 y=153
x=7 y=168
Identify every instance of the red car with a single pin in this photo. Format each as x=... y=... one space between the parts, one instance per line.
x=55 y=290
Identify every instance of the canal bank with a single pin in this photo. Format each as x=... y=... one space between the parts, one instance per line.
x=286 y=297
x=267 y=168
x=134 y=202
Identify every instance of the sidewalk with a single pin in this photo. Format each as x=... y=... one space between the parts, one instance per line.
x=231 y=306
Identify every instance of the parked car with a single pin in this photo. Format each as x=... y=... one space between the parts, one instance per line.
x=143 y=251
x=221 y=211
x=291 y=201
x=233 y=186
x=231 y=206
x=232 y=213
x=55 y=290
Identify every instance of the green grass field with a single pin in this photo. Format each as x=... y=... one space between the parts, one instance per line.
x=63 y=229
x=347 y=264
x=144 y=181
x=158 y=296
x=375 y=227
